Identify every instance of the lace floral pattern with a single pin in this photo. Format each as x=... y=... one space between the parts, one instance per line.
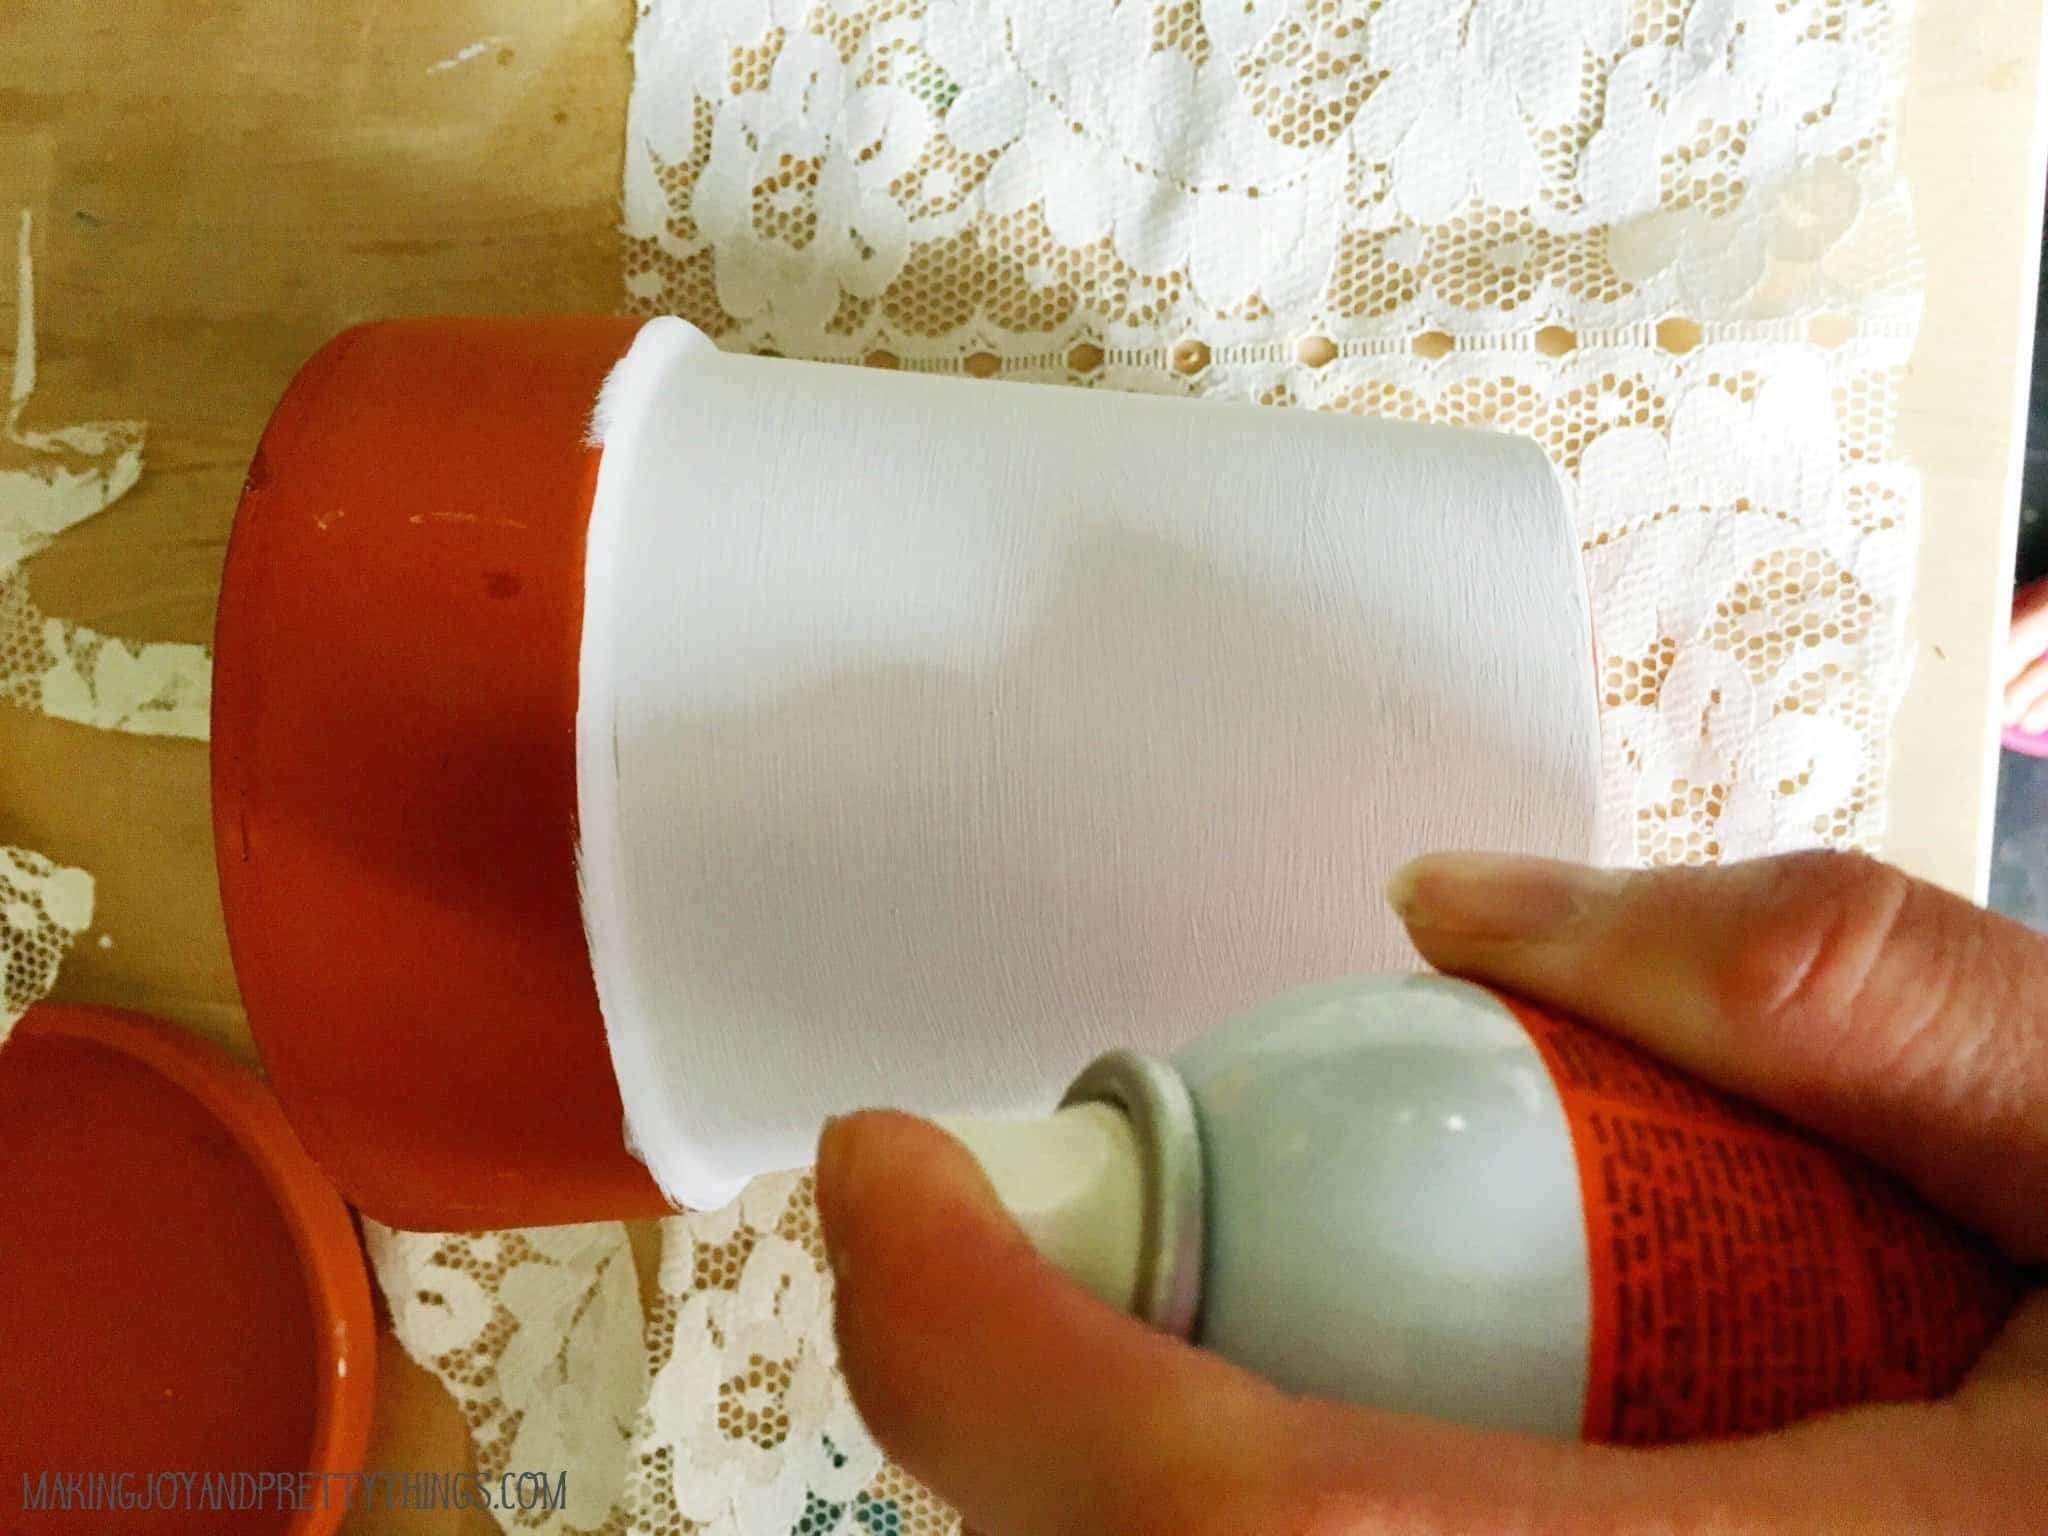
x=43 y=907
x=715 y=1408
x=1665 y=238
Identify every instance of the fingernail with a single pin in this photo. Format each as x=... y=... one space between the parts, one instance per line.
x=1495 y=898
x=828 y=1134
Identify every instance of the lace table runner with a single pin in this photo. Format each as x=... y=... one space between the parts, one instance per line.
x=1667 y=240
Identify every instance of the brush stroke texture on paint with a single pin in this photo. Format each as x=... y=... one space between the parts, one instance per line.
x=65 y=670
x=936 y=737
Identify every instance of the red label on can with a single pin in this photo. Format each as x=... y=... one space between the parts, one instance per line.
x=1742 y=1274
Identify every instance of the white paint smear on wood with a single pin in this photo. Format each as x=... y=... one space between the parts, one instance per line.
x=464 y=55
x=24 y=313
x=935 y=736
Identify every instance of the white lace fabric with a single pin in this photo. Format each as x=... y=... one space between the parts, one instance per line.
x=1666 y=240
x=717 y=1408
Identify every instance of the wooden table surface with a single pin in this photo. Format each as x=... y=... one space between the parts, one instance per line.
x=221 y=185
x=218 y=187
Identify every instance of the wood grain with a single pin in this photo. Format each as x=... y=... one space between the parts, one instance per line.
x=1973 y=146
x=217 y=189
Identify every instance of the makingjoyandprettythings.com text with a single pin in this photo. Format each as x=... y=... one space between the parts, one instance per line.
x=239 y=1492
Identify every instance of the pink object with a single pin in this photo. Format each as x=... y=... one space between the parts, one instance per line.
x=2016 y=738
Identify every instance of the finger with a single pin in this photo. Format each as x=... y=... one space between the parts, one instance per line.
x=2026 y=690
x=1880 y=1011
x=1036 y=1410
x=1030 y=1404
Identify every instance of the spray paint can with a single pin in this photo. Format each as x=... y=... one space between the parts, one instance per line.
x=1416 y=1194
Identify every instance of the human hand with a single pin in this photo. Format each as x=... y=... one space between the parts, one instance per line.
x=1876 y=1010
x=2026 y=661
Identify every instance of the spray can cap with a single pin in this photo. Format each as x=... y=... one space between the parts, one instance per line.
x=1109 y=1189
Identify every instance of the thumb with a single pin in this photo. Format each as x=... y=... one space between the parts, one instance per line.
x=1037 y=1410
x=986 y=1373
x=1884 y=1013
